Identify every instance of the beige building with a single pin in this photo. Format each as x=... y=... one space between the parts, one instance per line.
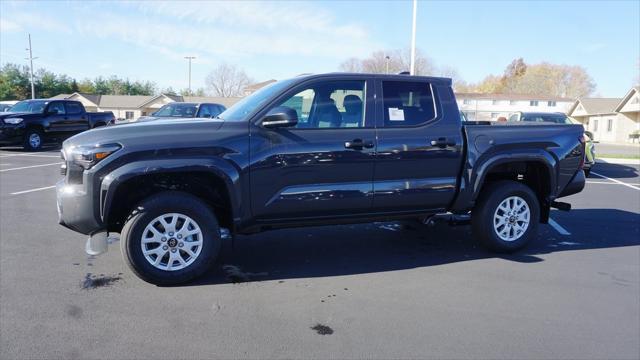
x=133 y=106
x=613 y=120
x=478 y=106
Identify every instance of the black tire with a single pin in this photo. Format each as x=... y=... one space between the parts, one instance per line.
x=482 y=217
x=30 y=145
x=155 y=206
x=587 y=172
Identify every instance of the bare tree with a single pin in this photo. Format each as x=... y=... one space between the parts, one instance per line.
x=393 y=61
x=351 y=65
x=227 y=80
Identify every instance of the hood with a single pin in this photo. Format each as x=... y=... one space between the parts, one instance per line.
x=152 y=134
x=4 y=115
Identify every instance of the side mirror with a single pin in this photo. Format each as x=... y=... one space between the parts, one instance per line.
x=280 y=116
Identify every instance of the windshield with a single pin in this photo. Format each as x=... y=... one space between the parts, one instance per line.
x=551 y=118
x=177 y=110
x=29 y=106
x=246 y=106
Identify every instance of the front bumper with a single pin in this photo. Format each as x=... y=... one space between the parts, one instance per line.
x=75 y=208
x=11 y=135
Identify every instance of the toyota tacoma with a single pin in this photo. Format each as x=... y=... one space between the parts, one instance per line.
x=312 y=150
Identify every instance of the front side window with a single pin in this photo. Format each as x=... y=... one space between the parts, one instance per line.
x=205 y=111
x=407 y=103
x=334 y=104
x=56 y=106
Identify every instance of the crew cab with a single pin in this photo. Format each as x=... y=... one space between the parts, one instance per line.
x=31 y=123
x=182 y=110
x=312 y=150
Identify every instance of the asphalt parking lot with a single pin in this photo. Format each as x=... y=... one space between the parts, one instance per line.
x=384 y=290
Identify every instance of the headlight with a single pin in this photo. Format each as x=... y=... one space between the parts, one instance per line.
x=13 y=121
x=88 y=156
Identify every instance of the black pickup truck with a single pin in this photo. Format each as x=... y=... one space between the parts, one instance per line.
x=33 y=122
x=316 y=149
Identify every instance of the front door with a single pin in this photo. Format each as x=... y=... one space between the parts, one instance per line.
x=322 y=167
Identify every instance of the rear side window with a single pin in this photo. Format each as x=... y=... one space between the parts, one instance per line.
x=407 y=103
x=73 y=108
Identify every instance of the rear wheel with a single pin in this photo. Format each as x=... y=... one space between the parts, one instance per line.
x=32 y=140
x=170 y=238
x=506 y=216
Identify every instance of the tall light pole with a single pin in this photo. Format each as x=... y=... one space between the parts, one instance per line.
x=30 y=58
x=386 y=58
x=413 y=39
x=189 y=58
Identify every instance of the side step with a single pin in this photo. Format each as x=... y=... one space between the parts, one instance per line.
x=451 y=219
x=561 y=205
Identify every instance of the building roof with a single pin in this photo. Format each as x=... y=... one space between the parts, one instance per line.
x=595 y=106
x=484 y=96
x=257 y=86
x=227 y=102
x=139 y=101
x=123 y=101
x=627 y=97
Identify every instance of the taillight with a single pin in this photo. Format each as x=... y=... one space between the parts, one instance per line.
x=583 y=142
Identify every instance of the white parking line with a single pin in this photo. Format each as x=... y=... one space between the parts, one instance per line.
x=610 y=183
x=32 y=190
x=31 y=155
x=558 y=228
x=616 y=181
x=29 y=167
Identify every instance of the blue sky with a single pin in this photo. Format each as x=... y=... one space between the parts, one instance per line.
x=147 y=40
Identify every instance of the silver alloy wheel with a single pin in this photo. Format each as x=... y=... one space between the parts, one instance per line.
x=171 y=242
x=34 y=140
x=511 y=219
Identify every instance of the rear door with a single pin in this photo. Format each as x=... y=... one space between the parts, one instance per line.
x=76 y=118
x=420 y=146
x=323 y=167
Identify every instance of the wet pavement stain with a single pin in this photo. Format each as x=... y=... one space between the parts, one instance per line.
x=236 y=275
x=74 y=311
x=93 y=282
x=322 y=329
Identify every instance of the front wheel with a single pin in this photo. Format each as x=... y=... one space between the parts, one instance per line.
x=170 y=238
x=506 y=216
x=32 y=140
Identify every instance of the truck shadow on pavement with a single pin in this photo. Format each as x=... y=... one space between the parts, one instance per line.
x=616 y=171
x=379 y=247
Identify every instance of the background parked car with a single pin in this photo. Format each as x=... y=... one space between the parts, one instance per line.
x=32 y=122
x=183 y=110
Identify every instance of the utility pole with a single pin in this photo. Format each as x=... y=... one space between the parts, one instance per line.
x=189 y=58
x=386 y=58
x=30 y=58
x=413 y=39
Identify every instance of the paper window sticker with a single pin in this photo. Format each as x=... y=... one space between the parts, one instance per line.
x=396 y=114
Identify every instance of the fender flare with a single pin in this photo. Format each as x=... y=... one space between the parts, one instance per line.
x=515 y=156
x=474 y=177
x=212 y=166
